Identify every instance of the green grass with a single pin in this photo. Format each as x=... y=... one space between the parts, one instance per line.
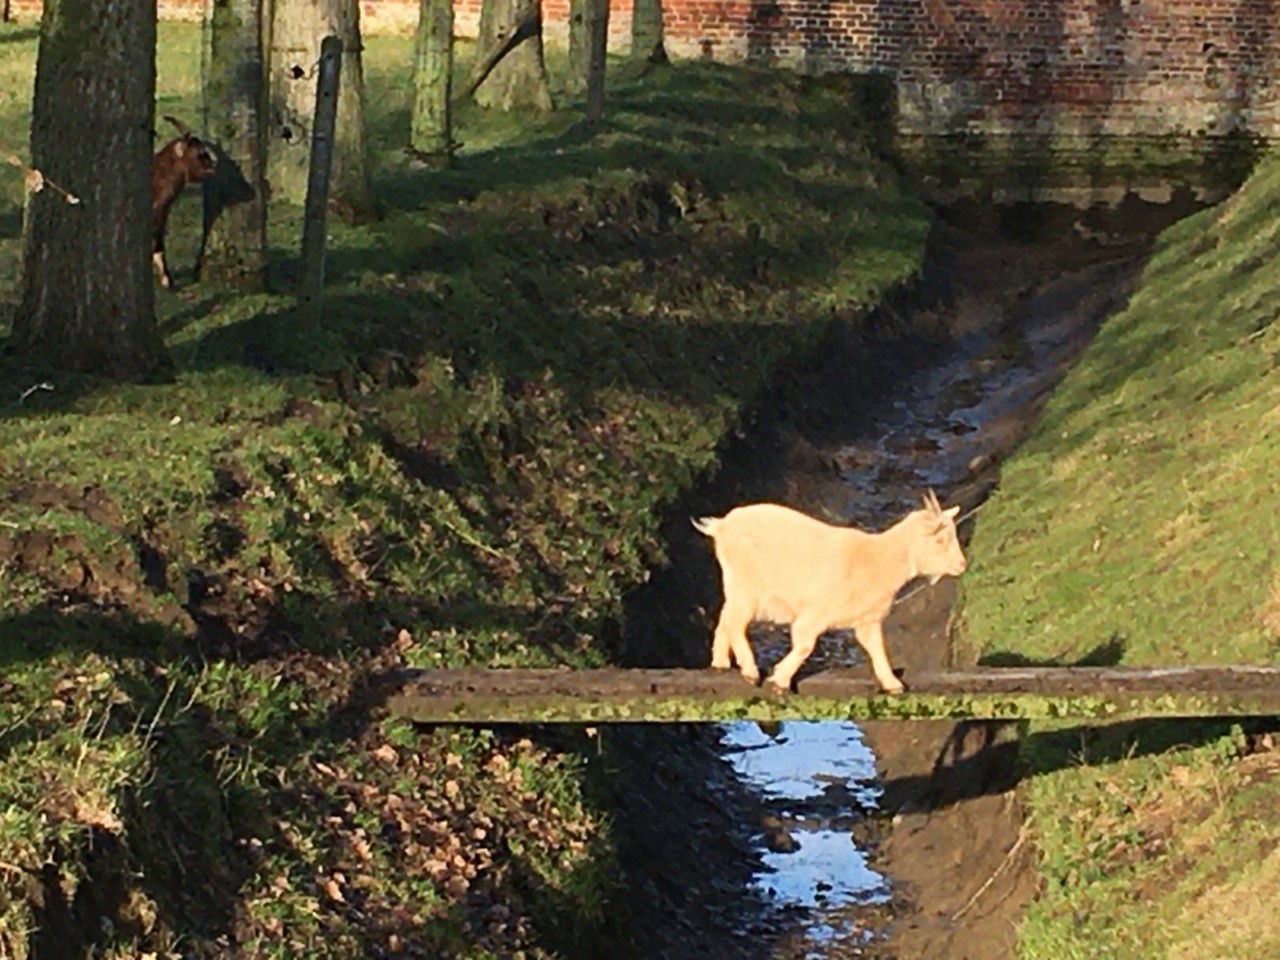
x=1140 y=520
x=1139 y=513
x=1171 y=853
x=521 y=365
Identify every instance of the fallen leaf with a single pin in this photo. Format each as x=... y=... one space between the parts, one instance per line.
x=334 y=891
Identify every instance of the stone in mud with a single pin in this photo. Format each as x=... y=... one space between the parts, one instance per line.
x=778 y=838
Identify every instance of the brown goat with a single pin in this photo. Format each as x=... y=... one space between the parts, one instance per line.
x=179 y=162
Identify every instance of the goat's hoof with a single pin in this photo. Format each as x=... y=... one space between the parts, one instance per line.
x=773 y=686
x=752 y=677
x=718 y=664
x=896 y=690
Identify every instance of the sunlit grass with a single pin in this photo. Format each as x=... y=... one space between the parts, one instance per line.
x=1142 y=516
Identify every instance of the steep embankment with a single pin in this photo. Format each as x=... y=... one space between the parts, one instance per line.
x=1141 y=525
x=520 y=366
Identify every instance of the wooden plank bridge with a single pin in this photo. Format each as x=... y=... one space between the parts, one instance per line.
x=672 y=695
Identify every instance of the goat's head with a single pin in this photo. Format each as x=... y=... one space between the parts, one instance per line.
x=195 y=160
x=937 y=552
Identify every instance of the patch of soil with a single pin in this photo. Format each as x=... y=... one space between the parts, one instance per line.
x=116 y=573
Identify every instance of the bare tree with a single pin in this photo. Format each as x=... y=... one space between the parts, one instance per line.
x=588 y=47
x=297 y=29
x=597 y=51
x=88 y=296
x=517 y=77
x=579 y=46
x=234 y=247
x=431 y=131
x=647 y=35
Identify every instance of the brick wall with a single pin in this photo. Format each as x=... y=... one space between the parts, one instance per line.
x=1066 y=67
x=982 y=66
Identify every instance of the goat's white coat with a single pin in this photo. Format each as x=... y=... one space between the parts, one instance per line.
x=783 y=566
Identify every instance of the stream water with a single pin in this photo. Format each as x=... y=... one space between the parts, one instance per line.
x=1020 y=314
x=819 y=779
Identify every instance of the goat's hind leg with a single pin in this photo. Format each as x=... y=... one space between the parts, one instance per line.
x=731 y=637
x=720 y=647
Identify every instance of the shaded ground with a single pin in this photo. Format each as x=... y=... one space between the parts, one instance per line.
x=949 y=835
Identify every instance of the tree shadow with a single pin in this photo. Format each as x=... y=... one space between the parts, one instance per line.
x=765 y=22
x=643 y=227
x=11 y=223
x=21 y=35
x=1110 y=653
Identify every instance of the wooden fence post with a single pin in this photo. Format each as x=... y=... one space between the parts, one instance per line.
x=315 y=216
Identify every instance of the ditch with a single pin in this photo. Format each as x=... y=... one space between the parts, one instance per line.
x=890 y=839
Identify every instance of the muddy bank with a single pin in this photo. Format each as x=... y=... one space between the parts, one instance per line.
x=935 y=391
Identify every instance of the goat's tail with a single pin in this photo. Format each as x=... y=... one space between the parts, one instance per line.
x=706 y=525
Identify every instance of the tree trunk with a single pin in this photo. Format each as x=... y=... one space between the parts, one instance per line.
x=520 y=79
x=579 y=46
x=297 y=29
x=431 y=131
x=88 y=296
x=597 y=50
x=647 y=31
x=234 y=246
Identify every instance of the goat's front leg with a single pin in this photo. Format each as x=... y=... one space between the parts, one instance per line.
x=804 y=640
x=871 y=637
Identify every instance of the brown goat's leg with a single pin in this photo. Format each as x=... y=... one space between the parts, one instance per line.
x=162 y=269
x=804 y=640
x=871 y=637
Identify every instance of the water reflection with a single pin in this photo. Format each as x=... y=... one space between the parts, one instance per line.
x=817 y=780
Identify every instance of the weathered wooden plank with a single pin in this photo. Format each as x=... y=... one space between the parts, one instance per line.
x=664 y=696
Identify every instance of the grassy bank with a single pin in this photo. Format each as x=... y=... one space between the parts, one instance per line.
x=521 y=364
x=1139 y=525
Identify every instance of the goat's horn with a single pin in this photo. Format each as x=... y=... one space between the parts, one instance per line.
x=182 y=127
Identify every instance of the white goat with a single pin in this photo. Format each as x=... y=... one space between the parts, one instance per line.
x=782 y=566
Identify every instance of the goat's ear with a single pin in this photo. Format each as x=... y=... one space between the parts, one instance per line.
x=180 y=148
x=951 y=512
